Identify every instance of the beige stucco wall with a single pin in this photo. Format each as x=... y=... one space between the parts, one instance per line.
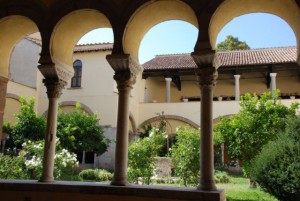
x=24 y=62
x=12 y=105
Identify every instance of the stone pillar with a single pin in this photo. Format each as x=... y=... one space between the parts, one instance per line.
x=168 y=89
x=54 y=90
x=3 y=89
x=273 y=82
x=237 y=87
x=146 y=95
x=207 y=80
x=126 y=70
x=56 y=77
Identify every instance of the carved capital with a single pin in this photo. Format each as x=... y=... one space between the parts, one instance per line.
x=206 y=59
x=58 y=71
x=125 y=79
x=54 y=87
x=126 y=69
x=207 y=77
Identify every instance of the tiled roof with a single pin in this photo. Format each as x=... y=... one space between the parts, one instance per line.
x=96 y=47
x=263 y=56
x=93 y=47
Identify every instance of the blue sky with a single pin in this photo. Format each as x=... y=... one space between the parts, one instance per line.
x=172 y=37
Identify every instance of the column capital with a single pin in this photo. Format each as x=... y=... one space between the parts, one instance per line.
x=126 y=69
x=237 y=76
x=207 y=77
x=57 y=71
x=204 y=59
x=54 y=87
x=168 y=79
x=3 y=80
x=273 y=74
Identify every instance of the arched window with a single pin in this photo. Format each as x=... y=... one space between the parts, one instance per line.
x=76 y=79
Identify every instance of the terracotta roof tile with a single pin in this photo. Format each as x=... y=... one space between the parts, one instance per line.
x=230 y=58
x=81 y=48
x=93 y=47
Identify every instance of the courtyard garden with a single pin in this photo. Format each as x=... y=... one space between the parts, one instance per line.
x=264 y=136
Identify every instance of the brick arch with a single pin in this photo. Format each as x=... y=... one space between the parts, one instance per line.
x=175 y=117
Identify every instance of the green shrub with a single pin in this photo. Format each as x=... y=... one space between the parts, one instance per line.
x=222 y=177
x=13 y=167
x=277 y=168
x=95 y=175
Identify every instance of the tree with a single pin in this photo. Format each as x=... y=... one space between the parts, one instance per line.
x=232 y=43
x=78 y=132
x=185 y=155
x=30 y=126
x=277 y=168
x=142 y=155
x=258 y=122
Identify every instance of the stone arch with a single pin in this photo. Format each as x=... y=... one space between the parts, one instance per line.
x=133 y=123
x=12 y=107
x=12 y=30
x=84 y=107
x=174 y=117
x=151 y=14
x=288 y=10
x=70 y=29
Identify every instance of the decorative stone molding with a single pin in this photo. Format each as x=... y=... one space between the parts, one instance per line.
x=54 y=87
x=207 y=77
x=57 y=71
x=206 y=59
x=126 y=69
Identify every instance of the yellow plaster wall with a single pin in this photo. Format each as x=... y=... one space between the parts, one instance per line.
x=12 y=106
x=70 y=29
x=229 y=9
x=151 y=14
x=12 y=30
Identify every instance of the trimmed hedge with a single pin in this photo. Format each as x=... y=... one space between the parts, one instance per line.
x=95 y=175
x=277 y=168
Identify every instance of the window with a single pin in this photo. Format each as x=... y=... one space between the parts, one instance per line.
x=76 y=79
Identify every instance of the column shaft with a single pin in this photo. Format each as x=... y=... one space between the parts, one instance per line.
x=207 y=79
x=50 y=140
x=273 y=82
x=237 y=87
x=54 y=90
x=168 y=89
x=3 y=89
x=121 y=154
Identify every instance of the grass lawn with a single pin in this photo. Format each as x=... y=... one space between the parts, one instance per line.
x=238 y=190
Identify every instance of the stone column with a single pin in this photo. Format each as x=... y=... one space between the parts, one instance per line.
x=207 y=80
x=126 y=70
x=273 y=82
x=3 y=89
x=146 y=95
x=56 y=77
x=54 y=90
x=237 y=87
x=168 y=89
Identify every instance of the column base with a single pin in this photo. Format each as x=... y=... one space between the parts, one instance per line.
x=207 y=186
x=216 y=195
x=122 y=182
x=47 y=179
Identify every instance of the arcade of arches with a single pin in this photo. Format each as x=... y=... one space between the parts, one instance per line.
x=62 y=23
